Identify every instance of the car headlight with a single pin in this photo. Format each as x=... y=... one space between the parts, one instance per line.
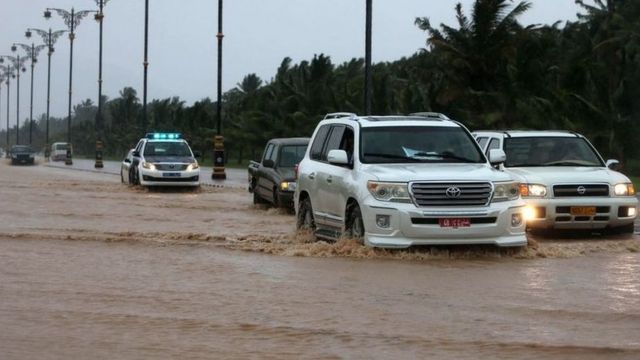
x=533 y=190
x=395 y=192
x=148 y=165
x=193 y=166
x=506 y=191
x=288 y=186
x=624 y=189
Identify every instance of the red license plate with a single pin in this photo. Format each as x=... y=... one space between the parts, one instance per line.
x=455 y=223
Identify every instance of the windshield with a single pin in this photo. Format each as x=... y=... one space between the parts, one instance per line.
x=21 y=149
x=167 y=148
x=62 y=147
x=413 y=144
x=549 y=151
x=291 y=155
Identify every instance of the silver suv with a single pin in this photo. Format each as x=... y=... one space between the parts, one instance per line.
x=398 y=181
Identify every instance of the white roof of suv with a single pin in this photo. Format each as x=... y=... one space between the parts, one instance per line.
x=415 y=119
x=527 y=133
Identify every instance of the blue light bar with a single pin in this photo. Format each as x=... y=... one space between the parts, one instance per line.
x=164 y=136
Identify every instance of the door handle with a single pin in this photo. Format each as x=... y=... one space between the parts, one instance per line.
x=312 y=176
x=329 y=179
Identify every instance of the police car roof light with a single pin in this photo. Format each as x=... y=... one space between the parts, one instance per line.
x=164 y=136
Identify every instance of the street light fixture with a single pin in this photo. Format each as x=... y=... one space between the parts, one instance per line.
x=218 y=141
x=368 y=78
x=33 y=52
x=72 y=20
x=17 y=63
x=49 y=38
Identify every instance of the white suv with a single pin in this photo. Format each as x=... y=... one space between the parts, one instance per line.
x=398 y=181
x=565 y=181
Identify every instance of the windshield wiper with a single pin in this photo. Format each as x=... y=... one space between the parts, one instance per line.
x=391 y=156
x=445 y=155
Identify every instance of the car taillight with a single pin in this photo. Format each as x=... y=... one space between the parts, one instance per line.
x=295 y=169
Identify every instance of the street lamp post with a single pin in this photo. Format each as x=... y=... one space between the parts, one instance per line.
x=33 y=52
x=99 y=118
x=49 y=38
x=8 y=73
x=72 y=20
x=218 y=141
x=18 y=63
x=145 y=64
x=368 y=79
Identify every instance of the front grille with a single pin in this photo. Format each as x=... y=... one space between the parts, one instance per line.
x=451 y=194
x=580 y=190
x=436 y=221
x=171 y=167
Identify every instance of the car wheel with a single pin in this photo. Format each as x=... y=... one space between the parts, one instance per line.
x=276 y=199
x=305 y=219
x=355 y=225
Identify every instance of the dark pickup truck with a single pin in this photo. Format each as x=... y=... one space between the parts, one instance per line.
x=22 y=154
x=273 y=180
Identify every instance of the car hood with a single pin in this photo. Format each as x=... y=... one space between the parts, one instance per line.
x=170 y=159
x=549 y=175
x=435 y=172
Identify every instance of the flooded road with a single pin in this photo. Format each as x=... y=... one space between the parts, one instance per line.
x=90 y=268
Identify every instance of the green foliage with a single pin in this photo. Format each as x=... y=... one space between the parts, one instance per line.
x=487 y=71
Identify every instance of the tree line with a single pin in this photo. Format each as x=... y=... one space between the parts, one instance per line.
x=488 y=71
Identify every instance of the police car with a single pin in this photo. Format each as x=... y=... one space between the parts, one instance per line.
x=161 y=159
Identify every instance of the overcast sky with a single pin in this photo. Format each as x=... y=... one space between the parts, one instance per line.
x=182 y=43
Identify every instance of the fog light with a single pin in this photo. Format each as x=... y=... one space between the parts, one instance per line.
x=383 y=221
x=529 y=213
x=631 y=212
x=516 y=220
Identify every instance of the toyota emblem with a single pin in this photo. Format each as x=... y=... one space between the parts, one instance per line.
x=581 y=190
x=171 y=166
x=453 y=192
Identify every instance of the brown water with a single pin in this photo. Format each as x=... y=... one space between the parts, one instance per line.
x=93 y=269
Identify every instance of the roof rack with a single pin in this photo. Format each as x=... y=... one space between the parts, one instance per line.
x=431 y=115
x=338 y=115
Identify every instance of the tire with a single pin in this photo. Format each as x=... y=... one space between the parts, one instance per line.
x=355 y=225
x=305 y=219
x=133 y=177
x=276 y=199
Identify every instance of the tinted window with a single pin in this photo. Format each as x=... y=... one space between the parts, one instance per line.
x=482 y=142
x=335 y=139
x=414 y=144
x=549 y=151
x=318 y=142
x=290 y=155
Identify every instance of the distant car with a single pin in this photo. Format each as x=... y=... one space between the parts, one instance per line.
x=22 y=154
x=161 y=159
x=273 y=179
x=565 y=181
x=59 y=151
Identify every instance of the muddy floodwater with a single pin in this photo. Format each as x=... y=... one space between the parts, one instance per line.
x=92 y=269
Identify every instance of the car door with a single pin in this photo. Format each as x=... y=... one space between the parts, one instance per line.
x=329 y=179
x=126 y=165
x=310 y=178
x=337 y=179
x=264 y=187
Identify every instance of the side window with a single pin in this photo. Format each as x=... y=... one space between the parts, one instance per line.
x=268 y=152
x=274 y=153
x=482 y=141
x=318 y=142
x=493 y=144
x=335 y=139
x=139 y=146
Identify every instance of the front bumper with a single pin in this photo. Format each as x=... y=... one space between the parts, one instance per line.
x=556 y=213
x=150 y=177
x=410 y=225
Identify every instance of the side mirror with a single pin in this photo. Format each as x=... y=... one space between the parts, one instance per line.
x=197 y=154
x=338 y=157
x=127 y=160
x=613 y=164
x=268 y=163
x=497 y=156
x=136 y=154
